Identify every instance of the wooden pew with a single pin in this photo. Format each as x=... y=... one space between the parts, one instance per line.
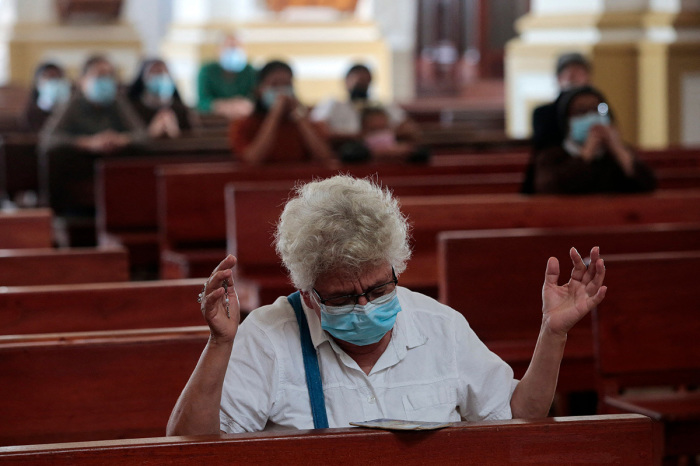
x=646 y=334
x=93 y=386
x=621 y=439
x=191 y=197
x=126 y=205
x=495 y=277
x=252 y=213
x=108 y=306
x=252 y=210
x=26 y=228
x=19 y=267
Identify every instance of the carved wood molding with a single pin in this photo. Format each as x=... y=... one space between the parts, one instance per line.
x=341 y=5
x=88 y=10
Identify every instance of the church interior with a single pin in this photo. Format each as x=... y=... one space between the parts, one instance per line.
x=144 y=141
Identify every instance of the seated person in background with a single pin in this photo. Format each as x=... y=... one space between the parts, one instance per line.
x=344 y=242
x=592 y=158
x=379 y=143
x=573 y=70
x=342 y=118
x=155 y=98
x=50 y=89
x=279 y=130
x=97 y=121
x=226 y=87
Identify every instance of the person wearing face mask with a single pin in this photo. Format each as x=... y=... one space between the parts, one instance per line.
x=279 y=129
x=50 y=90
x=341 y=119
x=225 y=87
x=572 y=70
x=97 y=121
x=352 y=344
x=156 y=100
x=592 y=157
x=379 y=142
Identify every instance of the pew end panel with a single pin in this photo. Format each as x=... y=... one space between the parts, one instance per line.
x=646 y=344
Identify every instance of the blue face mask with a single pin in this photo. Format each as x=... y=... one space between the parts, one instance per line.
x=161 y=85
x=52 y=92
x=269 y=95
x=361 y=325
x=233 y=59
x=580 y=126
x=102 y=90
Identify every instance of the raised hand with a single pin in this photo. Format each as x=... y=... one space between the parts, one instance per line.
x=563 y=306
x=222 y=317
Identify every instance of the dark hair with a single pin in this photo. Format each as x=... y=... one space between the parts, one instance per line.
x=93 y=60
x=356 y=68
x=139 y=84
x=272 y=66
x=572 y=58
x=567 y=99
x=37 y=75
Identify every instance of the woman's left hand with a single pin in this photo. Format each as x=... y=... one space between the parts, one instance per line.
x=563 y=306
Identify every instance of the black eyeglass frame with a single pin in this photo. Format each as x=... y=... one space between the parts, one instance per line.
x=394 y=281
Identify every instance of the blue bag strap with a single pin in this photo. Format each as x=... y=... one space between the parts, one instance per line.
x=313 y=373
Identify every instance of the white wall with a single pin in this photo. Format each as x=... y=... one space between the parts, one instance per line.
x=151 y=19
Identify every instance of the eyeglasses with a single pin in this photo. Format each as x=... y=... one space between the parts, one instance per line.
x=371 y=294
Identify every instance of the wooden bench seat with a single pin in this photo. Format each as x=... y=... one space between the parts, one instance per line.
x=621 y=439
x=63 y=266
x=646 y=337
x=108 y=306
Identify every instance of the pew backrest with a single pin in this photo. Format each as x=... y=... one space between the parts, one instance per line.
x=619 y=439
x=646 y=329
x=67 y=387
x=495 y=277
x=107 y=306
x=26 y=228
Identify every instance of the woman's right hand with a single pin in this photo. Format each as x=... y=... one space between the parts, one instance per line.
x=222 y=324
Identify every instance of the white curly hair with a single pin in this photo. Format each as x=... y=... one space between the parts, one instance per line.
x=341 y=224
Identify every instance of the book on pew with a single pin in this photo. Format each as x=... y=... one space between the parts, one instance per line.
x=399 y=424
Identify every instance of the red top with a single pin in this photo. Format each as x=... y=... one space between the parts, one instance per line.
x=288 y=144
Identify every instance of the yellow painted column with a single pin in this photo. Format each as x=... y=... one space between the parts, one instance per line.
x=646 y=62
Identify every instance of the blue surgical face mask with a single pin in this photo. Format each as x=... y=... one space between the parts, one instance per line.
x=161 y=85
x=101 y=90
x=52 y=92
x=361 y=325
x=233 y=59
x=269 y=95
x=580 y=126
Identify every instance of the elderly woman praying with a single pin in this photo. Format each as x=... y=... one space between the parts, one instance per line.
x=352 y=344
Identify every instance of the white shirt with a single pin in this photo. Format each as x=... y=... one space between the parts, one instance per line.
x=434 y=369
x=344 y=117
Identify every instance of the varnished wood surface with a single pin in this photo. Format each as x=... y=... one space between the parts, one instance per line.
x=50 y=266
x=26 y=228
x=622 y=439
